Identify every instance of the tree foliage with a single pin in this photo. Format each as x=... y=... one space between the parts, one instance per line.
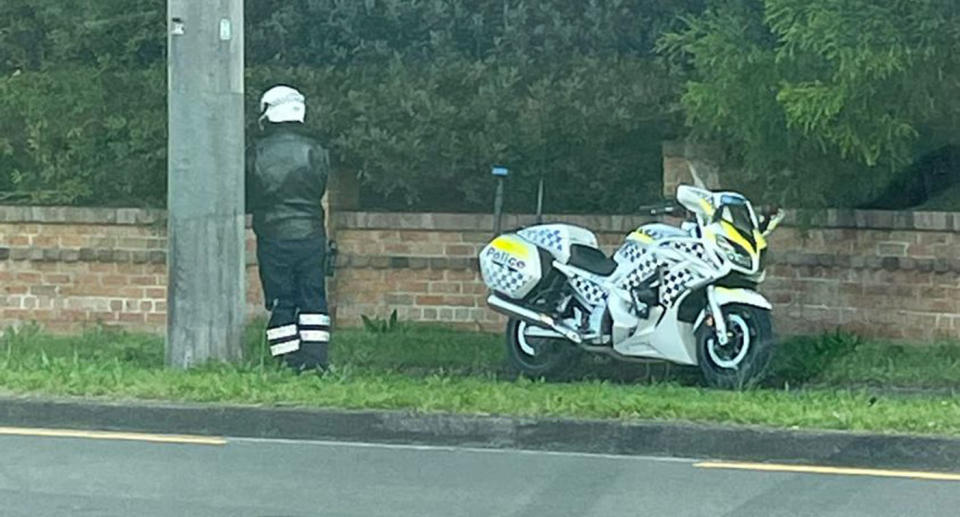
x=820 y=99
x=823 y=93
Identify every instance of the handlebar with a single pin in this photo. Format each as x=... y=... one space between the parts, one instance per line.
x=655 y=210
x=667 y=210
x=769 y=217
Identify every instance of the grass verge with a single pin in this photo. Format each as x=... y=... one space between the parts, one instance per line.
x=429 y=370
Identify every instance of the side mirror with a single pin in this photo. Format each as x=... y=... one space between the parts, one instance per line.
x=770 y=222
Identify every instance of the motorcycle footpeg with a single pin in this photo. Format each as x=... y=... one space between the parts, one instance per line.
x=643 y=312
x=646 y=295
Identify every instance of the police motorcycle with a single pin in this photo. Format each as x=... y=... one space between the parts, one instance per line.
x=685 y=295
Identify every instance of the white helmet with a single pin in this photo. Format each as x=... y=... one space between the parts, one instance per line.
x=282 y=104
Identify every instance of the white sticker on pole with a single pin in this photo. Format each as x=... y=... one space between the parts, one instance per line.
x=225 y=30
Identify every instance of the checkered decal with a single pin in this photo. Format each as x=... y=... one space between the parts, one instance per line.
x=632 y=252
x=644 y=262
x=503 y=279
x=549 y=238
x=653 y=233
x=692 y=248
x=591 y=292
x=674 y=284
x=657 y=232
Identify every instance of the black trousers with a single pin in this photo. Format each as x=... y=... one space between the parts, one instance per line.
x=293 y=275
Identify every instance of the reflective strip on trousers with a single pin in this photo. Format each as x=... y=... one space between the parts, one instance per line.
x=285 y=348
x=279 y=333
x=320 y=320
x=315 y=336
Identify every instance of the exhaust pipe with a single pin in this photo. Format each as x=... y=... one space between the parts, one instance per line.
x=533 y=318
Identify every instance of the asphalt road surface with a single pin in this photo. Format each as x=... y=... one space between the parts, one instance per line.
x=55 y=475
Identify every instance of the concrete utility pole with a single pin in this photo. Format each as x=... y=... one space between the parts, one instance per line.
x=206 y=251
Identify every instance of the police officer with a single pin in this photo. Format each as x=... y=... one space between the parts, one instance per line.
x=286 y=179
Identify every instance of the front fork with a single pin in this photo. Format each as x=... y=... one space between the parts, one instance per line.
x=719 y=323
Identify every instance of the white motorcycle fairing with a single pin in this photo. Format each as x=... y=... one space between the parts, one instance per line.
x=559 y=238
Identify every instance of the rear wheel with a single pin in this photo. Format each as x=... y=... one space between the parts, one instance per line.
x=537 y=357
x=744 y=359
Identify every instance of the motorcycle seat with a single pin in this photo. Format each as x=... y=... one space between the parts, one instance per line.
x=592 y=260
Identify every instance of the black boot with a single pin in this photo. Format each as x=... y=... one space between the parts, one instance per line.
x=314 y=340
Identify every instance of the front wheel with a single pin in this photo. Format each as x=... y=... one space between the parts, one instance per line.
x=744 y=359
x=537 y=357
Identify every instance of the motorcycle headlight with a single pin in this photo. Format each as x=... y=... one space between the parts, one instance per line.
x=734 y=253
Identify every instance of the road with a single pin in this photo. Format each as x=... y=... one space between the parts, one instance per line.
x=55 y=475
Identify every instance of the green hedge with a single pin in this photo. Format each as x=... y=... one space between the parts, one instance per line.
x=83 y=136
x=416 y=134
x=418 y=99
x=427 y=135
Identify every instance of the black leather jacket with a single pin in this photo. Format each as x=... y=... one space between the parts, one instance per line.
x=286 y=178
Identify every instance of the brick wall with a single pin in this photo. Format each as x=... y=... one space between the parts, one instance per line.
x=886 y=274
x=424 y=265
x=70 y=267
x=882 y=274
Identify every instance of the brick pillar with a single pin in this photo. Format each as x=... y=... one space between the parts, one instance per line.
x=677 y=157
x=343 y=195
x=343 y=189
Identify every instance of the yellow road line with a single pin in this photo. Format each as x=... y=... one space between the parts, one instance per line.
x=110 y=435
x=838 y=471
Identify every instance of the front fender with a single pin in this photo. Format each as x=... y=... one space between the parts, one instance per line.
x=727 y=296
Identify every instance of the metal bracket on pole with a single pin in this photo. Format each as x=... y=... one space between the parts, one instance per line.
x=501 y=174
x=540 y=201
